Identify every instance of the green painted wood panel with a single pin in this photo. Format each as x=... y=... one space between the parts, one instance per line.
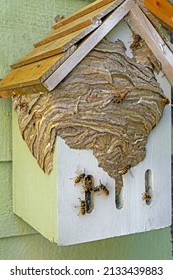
x=34 y=192
x=10 y=224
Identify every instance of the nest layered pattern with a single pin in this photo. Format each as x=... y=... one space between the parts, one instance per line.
x=109 y=103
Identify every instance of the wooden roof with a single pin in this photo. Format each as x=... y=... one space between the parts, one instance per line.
x=71 y=39
x=163 y=9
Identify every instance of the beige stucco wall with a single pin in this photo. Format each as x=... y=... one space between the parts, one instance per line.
x=22 y=23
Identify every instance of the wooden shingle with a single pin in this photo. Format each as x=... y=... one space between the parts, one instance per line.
x=72 y=38
x=29 y=78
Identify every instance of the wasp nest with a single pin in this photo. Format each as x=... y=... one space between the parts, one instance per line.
x=109 y=103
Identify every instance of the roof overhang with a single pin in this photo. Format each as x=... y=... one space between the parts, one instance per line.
x=73 y=38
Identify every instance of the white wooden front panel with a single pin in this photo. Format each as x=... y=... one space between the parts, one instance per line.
x=135 y=215
x=106 y=220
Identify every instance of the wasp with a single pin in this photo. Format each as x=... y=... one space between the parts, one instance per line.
x=120 y=98
x=82 y=207
x=58 y=18
x=79 y=178
x=89 y=201
x=88 y=183
x=146 y=196
x=136 y=41
x=124 y=169
x=23 y=106
x=102 y=188
x=38 y=115
x=89 y=189
x=97 y=189
x=165 y=101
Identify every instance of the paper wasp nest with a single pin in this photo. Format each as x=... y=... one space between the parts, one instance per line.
x=109 y=103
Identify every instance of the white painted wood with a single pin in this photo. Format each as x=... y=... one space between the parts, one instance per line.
x=135 y=216
x=107 y=221
x=142 y=26
x=88 y=45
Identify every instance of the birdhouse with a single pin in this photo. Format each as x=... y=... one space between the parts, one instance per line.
x=92 y=126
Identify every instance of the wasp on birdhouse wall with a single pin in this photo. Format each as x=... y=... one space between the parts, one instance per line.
x=102 y=188
x=87 y=183
x=79 y=178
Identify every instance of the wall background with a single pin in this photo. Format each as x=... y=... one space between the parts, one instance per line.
x=22 y=23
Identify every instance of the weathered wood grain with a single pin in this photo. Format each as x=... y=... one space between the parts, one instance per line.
x=63 y=31
x=86 y=10
x=108 y=103
x=156 y=23
x=162 y=10
x=90 y=42
x=55 y=47
x=28 y=74
x=29 y=78
x=77 y=24
x=63 y=43
x=25 y=90
x=4 y=94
